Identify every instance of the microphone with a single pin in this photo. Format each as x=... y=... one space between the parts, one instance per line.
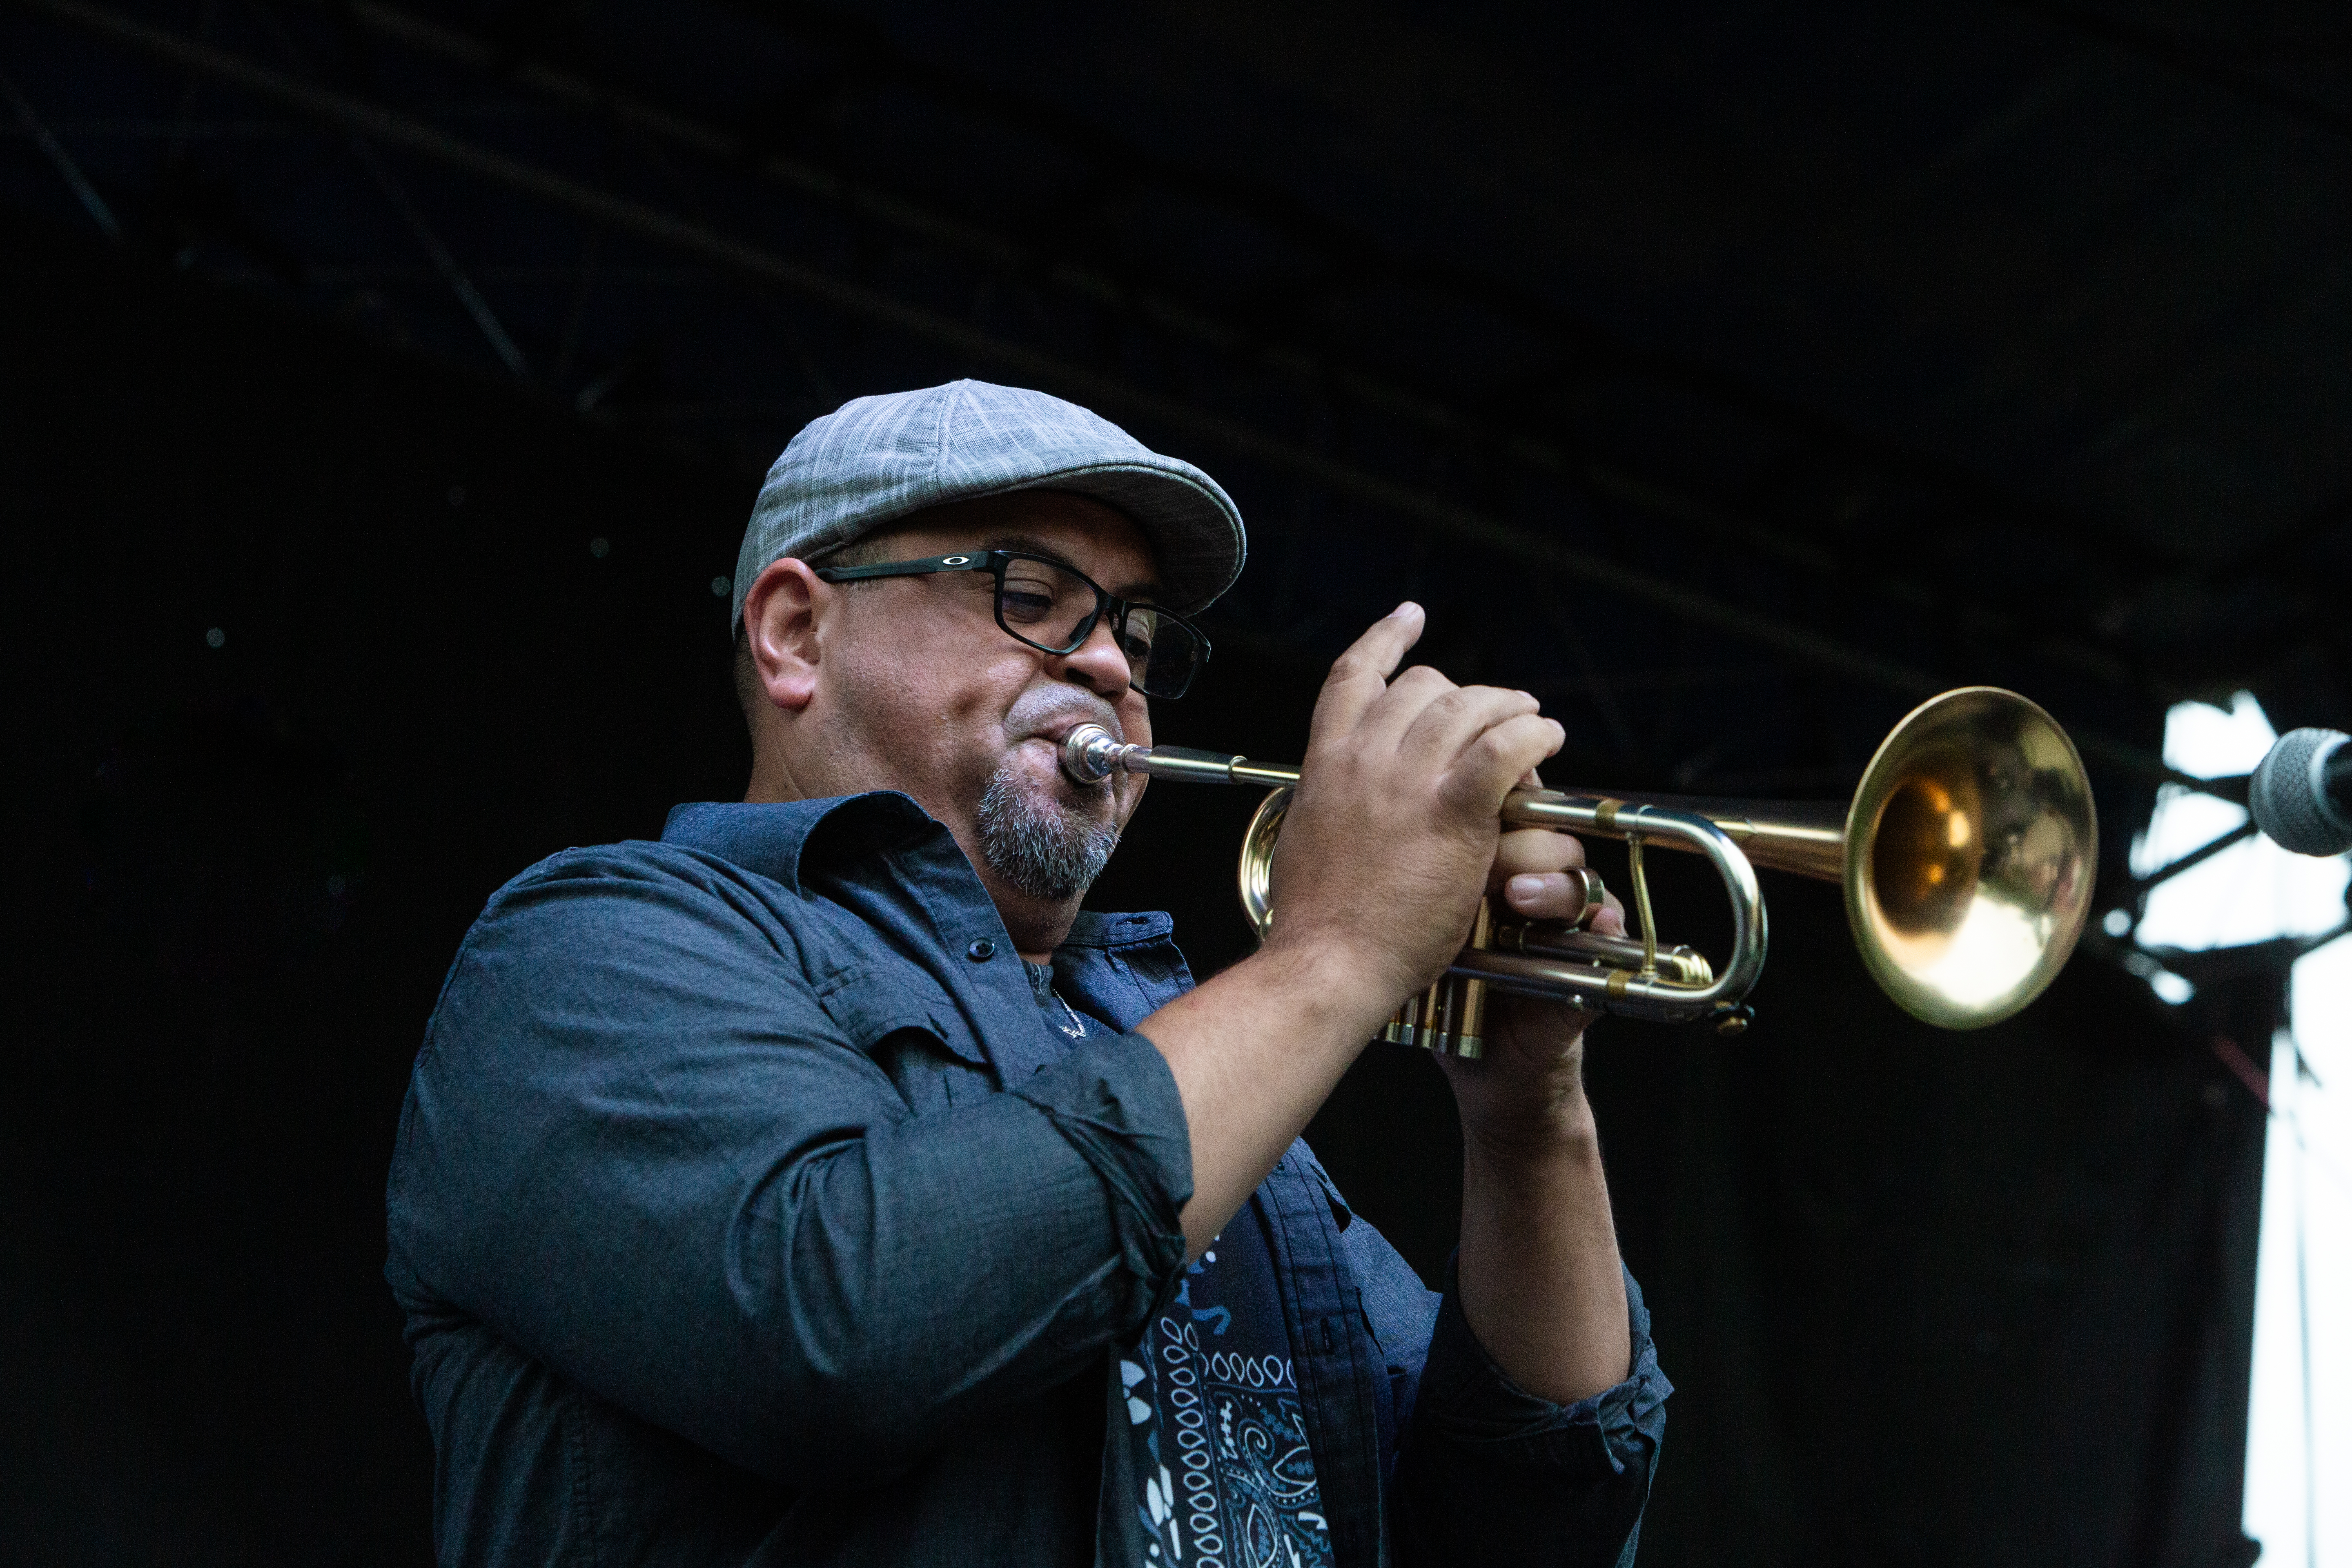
x=2301 y=796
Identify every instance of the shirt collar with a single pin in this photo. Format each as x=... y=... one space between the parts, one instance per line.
x=1093 y=928
x=774 y=838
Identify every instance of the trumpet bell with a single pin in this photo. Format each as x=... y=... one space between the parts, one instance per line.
x=1971 y=847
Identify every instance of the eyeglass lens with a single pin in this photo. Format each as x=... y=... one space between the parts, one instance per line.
x=1048 y=606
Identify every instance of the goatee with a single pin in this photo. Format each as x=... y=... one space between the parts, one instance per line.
x=1044 y=851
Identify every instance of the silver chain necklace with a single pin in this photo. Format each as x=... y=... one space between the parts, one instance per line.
x=1041 y=980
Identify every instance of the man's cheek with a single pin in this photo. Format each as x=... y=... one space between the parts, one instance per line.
x=1130 y=797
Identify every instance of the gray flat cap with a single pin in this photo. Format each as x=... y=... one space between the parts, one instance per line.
x=875 y=459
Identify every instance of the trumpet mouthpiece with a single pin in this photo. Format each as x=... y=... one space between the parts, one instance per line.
x=1092 y=753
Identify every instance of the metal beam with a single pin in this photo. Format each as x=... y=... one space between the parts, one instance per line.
x=2142 y=886
x=62 y=161
x=2197 y=58
x=1468 y=524
x=1162 y=312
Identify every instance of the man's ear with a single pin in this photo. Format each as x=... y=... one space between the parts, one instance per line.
x=780 y=622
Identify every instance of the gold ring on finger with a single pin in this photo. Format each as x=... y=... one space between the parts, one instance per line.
x=1595 y=896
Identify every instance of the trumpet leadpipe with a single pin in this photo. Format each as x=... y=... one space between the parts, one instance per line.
x=1092 y=753
x=1803 y=838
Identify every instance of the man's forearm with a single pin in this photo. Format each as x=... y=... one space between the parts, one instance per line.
x=1539 y=1272
x=1254 y=1053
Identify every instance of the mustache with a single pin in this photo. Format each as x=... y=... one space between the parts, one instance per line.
x=1061 y=710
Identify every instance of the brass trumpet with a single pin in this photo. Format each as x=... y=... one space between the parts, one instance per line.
x=1967 y=855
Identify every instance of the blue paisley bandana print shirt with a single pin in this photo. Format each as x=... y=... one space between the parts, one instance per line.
x=1213 y=1399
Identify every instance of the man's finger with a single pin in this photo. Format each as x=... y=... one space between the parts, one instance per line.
x=1533 y=851
x=1560 y=896
x=1545 y=895
x=1485 y=770
x=1446 y=728
x=1382 y=726
x=1359 y=675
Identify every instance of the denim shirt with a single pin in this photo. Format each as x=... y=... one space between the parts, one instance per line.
x=745 y=1209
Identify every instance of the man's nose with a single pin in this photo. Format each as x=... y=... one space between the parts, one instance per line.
x=1098 y=663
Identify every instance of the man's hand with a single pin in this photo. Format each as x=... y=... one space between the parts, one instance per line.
x=1538 y=1266
x=1383 y=858
x=1397 y=819
x=1526 y=1091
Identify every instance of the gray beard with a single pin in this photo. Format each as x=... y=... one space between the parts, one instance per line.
x=1044 y=852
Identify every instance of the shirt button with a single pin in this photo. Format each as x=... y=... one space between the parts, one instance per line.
x=981 y=952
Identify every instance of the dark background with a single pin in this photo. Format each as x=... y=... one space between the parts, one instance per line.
x=1730 y=377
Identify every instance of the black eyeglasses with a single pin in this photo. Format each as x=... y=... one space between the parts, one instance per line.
x=1054 y=608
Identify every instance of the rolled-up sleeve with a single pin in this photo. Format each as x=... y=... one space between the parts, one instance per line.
x=1488 y=1472
x=637 y=1146
x=1491 y=1472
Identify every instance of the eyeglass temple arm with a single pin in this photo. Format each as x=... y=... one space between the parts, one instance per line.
x=958 y=561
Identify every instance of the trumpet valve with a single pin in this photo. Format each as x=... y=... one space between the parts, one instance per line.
x=1449 y=1019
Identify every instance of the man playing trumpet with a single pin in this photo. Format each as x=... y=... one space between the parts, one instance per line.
x=821 y=1184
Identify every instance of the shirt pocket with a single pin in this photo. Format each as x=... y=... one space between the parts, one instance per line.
x=935 y=1065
